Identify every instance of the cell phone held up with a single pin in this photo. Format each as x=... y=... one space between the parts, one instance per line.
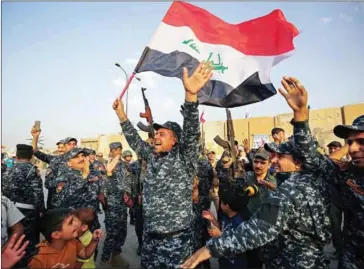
x=37 y=125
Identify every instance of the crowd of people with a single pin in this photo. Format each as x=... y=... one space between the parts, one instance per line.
x=277 y=206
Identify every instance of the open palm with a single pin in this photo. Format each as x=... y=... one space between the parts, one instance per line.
x=202 y=74
x=295 y=94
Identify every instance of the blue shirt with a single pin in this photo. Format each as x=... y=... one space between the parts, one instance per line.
x=239 y=261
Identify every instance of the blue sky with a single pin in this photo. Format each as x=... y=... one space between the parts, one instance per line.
x=58 y=63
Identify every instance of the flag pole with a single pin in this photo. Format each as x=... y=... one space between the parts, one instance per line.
x=134 y=72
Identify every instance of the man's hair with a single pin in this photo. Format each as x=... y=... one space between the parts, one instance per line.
x=86 y=215
x=53 y=221
x=276 y=131
x=234 y=198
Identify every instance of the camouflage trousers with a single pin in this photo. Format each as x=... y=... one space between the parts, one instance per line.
x=31 y=232
x=116 y=230
x=168 y=252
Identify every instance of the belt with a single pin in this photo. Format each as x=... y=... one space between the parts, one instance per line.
x=161 y=236
x=24 y=206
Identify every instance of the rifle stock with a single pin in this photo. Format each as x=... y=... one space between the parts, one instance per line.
x=143 y=127
x=222 y=143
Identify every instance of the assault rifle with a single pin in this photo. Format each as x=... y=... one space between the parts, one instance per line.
x=229 y=145
x=148 y=116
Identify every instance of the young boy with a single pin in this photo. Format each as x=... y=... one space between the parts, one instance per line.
x=232 y=202
x=61 y=247
x=86 y=216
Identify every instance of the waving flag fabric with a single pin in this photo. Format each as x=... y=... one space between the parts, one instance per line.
x=242 y=54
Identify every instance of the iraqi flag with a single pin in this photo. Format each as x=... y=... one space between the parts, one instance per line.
x=242 y=54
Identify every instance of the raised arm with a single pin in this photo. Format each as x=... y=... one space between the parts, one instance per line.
x=296 y=97
x=140 y=147
x=191 y=126
x=40 y=155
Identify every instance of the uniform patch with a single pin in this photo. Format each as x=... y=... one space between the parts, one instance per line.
x=268 y=213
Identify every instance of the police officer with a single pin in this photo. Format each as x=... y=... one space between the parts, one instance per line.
x=117 y=187
x=127 y=157
x=295 y=216
x=23 y=185
x=349 y=181
x=167 y=194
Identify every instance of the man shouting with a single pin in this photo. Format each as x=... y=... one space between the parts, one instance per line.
x=171 y=166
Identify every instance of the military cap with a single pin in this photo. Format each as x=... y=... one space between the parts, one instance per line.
x=92 y=152
x=60 y=142
x=263 y=154
x=69 y=139
x=127 y=153
x=171 y=125
x=335 y=144
x=343 y=131
x=24 y=148
x=74 y=152
x=115 y=145
x=287 y=147
x=87 y=151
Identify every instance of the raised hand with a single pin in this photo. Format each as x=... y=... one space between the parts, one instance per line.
x=295 y=94
x=34 y=132
x=13 y=251
x=118 y=106
x=194 y=83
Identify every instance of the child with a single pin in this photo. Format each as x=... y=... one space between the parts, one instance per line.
x=86 y=216
x=232 y=203
x=61 y=247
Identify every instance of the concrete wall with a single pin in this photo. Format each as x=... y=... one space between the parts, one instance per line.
x=322 y=122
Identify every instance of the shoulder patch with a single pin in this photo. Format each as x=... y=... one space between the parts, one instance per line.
x=49 y=171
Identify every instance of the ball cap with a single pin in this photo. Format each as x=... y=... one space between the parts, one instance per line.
x=69 y=139
x=343 y=131
x=115 y=145
x=171 y=125
x=335 y=144
x=74 y=152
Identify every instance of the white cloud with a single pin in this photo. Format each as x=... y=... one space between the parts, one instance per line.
x=326 y=20
x=346 y=17
x=132 y=61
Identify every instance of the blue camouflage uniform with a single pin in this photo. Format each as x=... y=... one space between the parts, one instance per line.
x=115 y=186
x=167 y=192
x=295 y=216
x=349 y=182
x=23 y=185
x=54 y=163
x=77 y=192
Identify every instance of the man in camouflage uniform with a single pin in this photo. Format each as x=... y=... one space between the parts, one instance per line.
x=127 y=157
x=117 y=187
x=349 y=181
x=77 y=187
x=172 y=163
x=23 y=185
x=56 y=163
x=96 y=165
x=297 y=214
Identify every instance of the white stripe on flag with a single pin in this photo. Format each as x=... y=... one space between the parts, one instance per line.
x=240 y=66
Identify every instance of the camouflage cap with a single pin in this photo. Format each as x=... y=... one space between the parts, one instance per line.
x=262 y=154
x=74 y=152
x=127 y=153
x=115 y=145
x=171 y=125
x=335 y=144
x=343 y=131
x=69 y=139
x=60 y=142
x=287 y=147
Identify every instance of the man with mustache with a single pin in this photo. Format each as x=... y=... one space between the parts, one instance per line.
x=167 y=188
x=349 y=181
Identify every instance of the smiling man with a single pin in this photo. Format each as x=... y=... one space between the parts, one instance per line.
x=167 y=188
x=349 y=181
x=293 y=220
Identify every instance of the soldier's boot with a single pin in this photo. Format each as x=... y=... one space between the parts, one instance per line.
x=118 y=261
x=106 y=264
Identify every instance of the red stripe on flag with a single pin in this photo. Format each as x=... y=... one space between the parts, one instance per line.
x=202 y=120
x=267 y=36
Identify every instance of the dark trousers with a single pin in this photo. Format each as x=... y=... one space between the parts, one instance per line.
x=253 y=259
x=139 y=222
x=336 y=230
x=51 y=192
